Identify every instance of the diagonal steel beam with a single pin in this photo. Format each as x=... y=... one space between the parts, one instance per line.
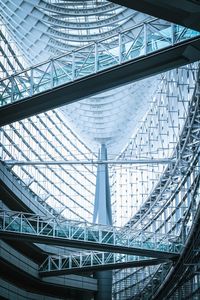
x=184 y=12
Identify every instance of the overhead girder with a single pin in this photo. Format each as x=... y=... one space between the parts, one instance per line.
x=185 y=12
x=79 y=244
x=11 y=163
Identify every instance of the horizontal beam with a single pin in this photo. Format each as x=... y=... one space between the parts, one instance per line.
x=81 y=244
x=89 y=162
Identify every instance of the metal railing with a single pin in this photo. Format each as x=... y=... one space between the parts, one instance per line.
x=130 y=44
x=87 y=235
x=76 y=262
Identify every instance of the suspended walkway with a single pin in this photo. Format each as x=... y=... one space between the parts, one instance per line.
x=82 y=235
x=93 y=261
x=144 y=50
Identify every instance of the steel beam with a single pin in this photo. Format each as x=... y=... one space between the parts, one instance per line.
x=185 y=12
x=89 y=162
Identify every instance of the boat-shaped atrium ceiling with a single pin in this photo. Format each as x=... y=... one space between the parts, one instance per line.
x=139 y=117
x=143 y=125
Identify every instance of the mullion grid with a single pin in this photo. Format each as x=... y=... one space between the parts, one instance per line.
x=46 y=192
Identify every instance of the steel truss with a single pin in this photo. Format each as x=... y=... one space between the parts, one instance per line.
x=181 y=183
x=128 y=45
x=92 y=261
x=85 y=235
x=158 y=273
x=169 y=181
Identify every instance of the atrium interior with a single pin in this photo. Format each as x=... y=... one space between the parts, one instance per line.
x=99 y=150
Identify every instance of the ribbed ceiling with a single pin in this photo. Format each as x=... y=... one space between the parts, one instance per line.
x=43 y=29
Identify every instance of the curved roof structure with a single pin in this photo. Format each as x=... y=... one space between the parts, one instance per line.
x=56 y=27
x=54 y=178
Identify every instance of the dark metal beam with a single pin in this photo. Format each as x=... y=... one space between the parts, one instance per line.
x=136 y=69
x=184 y=12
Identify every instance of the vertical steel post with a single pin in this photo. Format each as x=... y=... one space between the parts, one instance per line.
x=73 y=65
x=120 y=48
x=145 y=39
x=103 y=215
x=95 y=57
x=172 y=34
x=12 y=89
x=31 y=83
x=51 y=73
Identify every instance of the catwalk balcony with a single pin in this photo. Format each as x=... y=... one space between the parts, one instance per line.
x=144 y=50
x=83 y=235
x=93 y=261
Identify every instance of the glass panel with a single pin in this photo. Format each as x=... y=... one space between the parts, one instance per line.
x=108 y=53
x=133 y=43
x=158 y=36
x=85 y=61
x=22 y=85
x=62 y=70
x=42 y=78
x=6 y=91
x=181 y=33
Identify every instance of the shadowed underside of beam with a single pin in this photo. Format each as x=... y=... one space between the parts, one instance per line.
x=185 y=12
x=87 y=245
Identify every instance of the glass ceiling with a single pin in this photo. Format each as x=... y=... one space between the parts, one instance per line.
x=140 y=120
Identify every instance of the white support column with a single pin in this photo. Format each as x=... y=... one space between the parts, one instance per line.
x=103 y=215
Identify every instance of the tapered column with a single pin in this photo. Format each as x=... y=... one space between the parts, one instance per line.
x=102 y=205
x=103 y=215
